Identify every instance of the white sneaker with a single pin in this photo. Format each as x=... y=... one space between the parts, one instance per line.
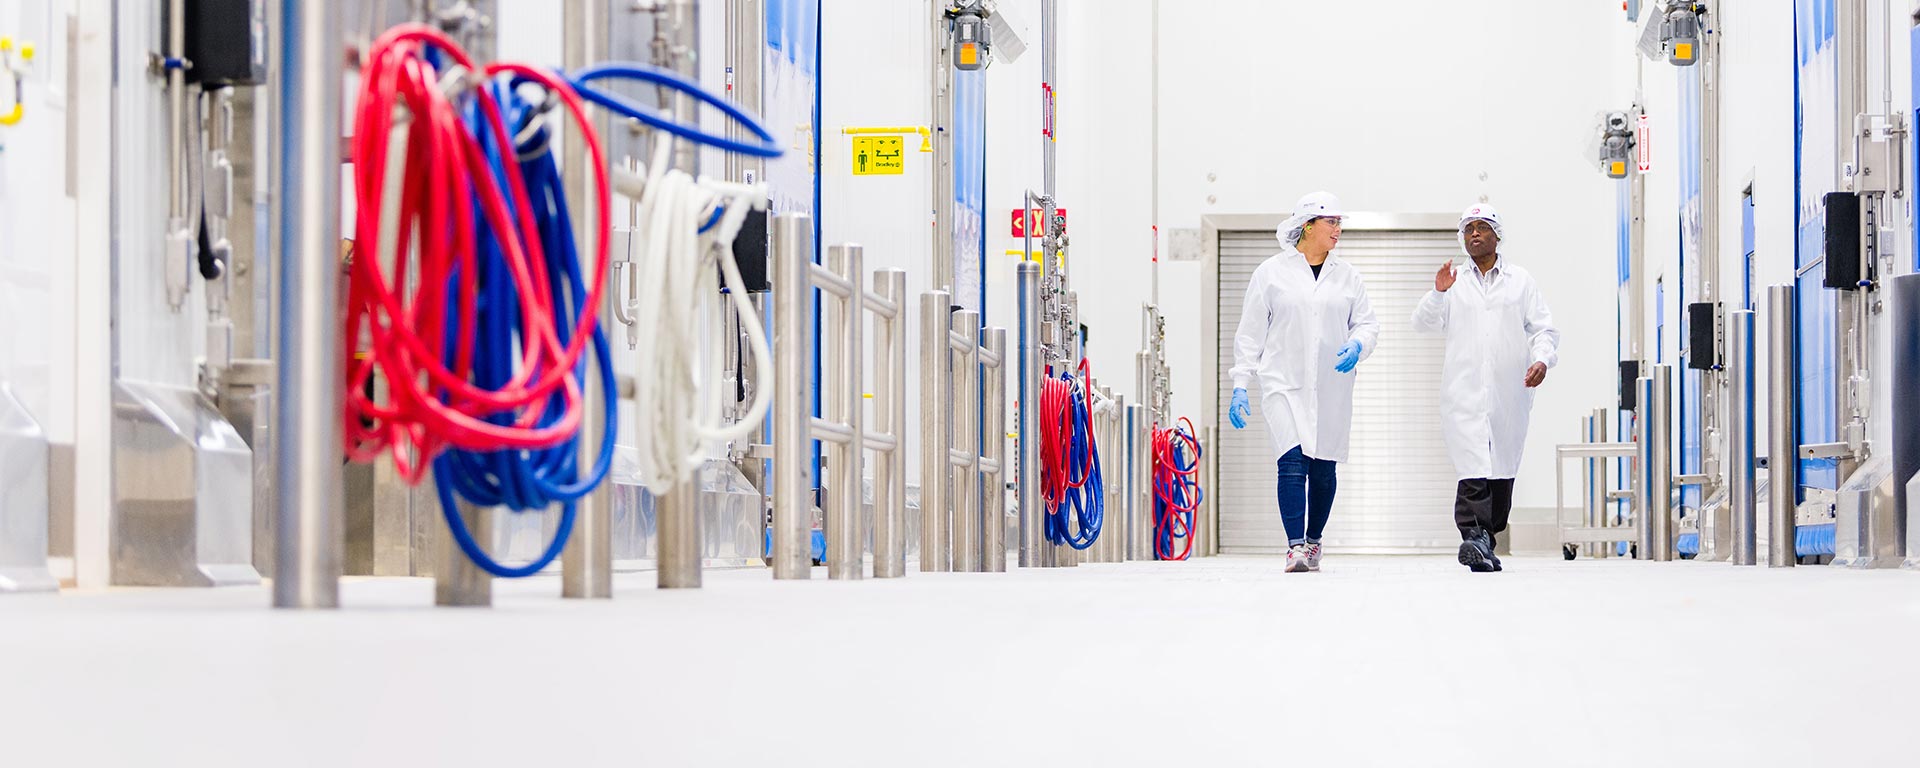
x=1313 y=556
x=1297 y=559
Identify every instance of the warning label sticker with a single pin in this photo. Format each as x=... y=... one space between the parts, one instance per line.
x=879 y=156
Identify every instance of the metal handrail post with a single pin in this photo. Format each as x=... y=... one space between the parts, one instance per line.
x=935 y=399
x=966 y=438
x=890 y=408
x=994 y=433
x=846 y=499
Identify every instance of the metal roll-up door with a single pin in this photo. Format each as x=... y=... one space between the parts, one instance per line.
x=1396 y=489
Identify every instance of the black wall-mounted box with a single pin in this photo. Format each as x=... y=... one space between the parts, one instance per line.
x=1703 y=338
x=1842 y=241
x=750 y=251
x=226 y=42
x=1629 y=371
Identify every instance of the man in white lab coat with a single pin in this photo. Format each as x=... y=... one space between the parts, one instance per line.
x=1500 y=343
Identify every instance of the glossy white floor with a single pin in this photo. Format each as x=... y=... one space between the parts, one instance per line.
x=1376 y=661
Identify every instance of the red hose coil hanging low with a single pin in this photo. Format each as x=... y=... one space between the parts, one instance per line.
x=1176 y=487
x=444 y=175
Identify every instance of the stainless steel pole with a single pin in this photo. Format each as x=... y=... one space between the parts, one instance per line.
x=1598 y=479
x=936 y=536
x=309 y=526
x=994 y=433
x=679 y=527
x=678 y=510
x=890 y=470
x=1783 y=427
x=1140 y=519
x=457 y=582
x=1740 y=422
x=1027 y=373
x=792 y=432
x=967 y=522
x=586 y=564
x=1656 y=467
x=846 y=533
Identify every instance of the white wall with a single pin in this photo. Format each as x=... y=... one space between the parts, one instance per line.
x=1398 y=106
x=36 y=223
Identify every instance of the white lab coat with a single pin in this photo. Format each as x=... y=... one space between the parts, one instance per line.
x=1290 y=329
x=1495 y=332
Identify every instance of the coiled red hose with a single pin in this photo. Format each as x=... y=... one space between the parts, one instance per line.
x=445 y=180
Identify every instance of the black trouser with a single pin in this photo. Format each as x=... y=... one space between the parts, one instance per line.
x=1483 y=503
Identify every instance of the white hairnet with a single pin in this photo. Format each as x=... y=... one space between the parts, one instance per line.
x=1318 y=205
x=1480 y=212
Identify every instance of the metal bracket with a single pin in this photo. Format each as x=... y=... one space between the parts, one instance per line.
x=1826 y=451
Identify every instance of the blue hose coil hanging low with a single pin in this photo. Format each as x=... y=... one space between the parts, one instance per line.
x=521 y=480
x=1085 y=494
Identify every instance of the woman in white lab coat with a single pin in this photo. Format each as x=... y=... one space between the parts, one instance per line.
x=1306 y=324
x=1500 y=343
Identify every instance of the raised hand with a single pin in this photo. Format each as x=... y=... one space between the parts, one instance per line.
x=1443 y=279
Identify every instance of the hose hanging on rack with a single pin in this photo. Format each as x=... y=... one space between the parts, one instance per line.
x=1070 y=462
x=523 y=480
x=420 y=175
x=482 y=359
x=687 y=226
x=1176 y=489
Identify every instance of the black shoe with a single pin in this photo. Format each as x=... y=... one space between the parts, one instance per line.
x=1476 y=553
x=1492 y=556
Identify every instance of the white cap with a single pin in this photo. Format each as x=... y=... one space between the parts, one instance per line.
x=1318 y=205
x=1482 y=212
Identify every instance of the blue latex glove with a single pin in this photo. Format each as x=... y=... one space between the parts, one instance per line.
x=1240 y=410
x=1347 y=357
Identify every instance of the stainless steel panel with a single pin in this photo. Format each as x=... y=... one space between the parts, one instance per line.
x=23 y=499
x=1865 y=518
x=183 y=491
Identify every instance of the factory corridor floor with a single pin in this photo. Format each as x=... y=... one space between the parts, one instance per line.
x=1407 y=661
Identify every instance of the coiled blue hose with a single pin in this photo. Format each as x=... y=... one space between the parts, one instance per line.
x=520 y=480
x=581 y=79
x=1086 y=487
x=1809 y=540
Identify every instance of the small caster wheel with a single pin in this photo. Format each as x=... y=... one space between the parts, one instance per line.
x=1569 y=551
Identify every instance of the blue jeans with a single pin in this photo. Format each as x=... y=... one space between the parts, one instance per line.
x=1306 y=495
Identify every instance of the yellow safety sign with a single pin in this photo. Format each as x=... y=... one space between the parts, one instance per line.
x=879 y=156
